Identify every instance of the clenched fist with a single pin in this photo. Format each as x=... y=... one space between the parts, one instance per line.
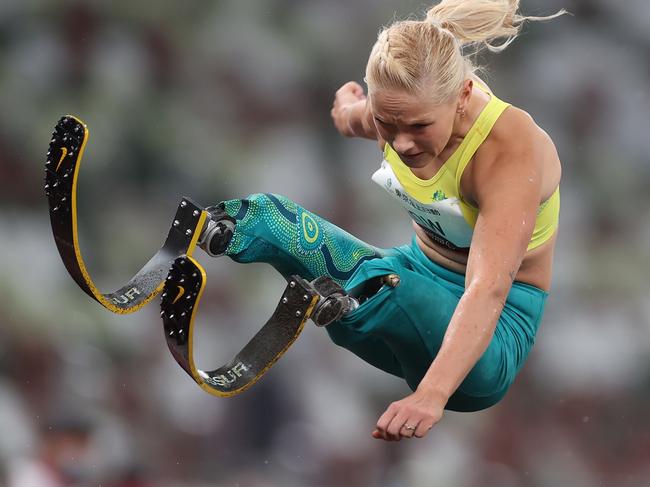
x=349 y=102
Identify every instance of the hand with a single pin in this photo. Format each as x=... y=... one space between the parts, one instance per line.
x=346 y=96
x=411 y=417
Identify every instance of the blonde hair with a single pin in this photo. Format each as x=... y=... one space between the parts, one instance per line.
x=420 y=56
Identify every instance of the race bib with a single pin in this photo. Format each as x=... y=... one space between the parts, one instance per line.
x=442 y=218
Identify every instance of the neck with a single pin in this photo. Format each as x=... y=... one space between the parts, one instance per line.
x=463 y=122
x=461 y=127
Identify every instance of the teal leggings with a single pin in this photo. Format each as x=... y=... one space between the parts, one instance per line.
x=398 y=330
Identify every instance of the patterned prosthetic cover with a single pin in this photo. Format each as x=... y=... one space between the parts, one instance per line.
x=275 y=230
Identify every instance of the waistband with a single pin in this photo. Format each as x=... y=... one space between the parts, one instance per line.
x=414 y=252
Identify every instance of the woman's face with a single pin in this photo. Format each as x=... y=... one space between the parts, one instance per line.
x=417 y=129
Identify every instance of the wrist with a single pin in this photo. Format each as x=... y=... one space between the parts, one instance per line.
x=348 y=119
x=434 y=390
x=354 y=114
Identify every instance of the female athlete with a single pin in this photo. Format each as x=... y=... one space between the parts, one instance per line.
x=480 y=181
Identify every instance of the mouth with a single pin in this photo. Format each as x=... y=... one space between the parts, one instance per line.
x=410 y=157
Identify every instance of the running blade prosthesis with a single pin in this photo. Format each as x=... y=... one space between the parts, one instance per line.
x=61 y=176
x=183 y=279
x=180 y=297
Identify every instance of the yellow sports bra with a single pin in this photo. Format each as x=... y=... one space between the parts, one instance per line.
x=437 y=205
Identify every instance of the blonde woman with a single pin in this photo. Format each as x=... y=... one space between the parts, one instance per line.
x=480 y=181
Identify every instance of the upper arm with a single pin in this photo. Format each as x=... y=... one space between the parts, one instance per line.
x=507 y=189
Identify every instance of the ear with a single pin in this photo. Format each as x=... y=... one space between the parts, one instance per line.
x=465 y=92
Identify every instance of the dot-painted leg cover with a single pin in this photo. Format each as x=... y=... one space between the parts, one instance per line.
x=275 y=230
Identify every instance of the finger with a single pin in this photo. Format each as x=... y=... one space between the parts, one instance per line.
x=423 y=428
x=348 y=87
x=395 y=427
x=357 y=90
x=353 y=86
x=379 y=436
x=385 y=420
x=409 y=428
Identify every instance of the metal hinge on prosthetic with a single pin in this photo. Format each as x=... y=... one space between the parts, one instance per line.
x=334 y=302
x=217 y=232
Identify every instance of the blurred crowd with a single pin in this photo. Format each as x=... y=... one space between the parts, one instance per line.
x=217 y=100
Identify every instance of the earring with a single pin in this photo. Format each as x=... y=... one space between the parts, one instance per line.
x=461 y=111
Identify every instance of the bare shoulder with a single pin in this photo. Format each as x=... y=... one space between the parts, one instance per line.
x=515 y=121
x=516 y=130
x=516 y=140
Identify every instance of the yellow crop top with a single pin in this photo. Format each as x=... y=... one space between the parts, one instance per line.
x=437 y=205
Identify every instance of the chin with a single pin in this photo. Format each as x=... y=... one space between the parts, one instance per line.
x=412 y=160
x=427 y=156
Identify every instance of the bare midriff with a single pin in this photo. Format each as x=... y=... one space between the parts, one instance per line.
x=535 y=269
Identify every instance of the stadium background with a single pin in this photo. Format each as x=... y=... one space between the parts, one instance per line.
x=217 y=100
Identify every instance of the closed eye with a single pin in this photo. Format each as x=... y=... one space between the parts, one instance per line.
x=416 y=126
x=420 y=125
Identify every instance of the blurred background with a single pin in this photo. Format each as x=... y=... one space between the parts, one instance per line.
x=217 y=100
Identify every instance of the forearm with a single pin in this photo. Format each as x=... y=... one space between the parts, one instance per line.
x=468 y=335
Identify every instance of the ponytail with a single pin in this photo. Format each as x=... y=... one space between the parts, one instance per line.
x=426 y=56
x=481 y=21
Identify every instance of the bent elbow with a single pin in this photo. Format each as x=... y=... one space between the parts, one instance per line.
x=494 y=289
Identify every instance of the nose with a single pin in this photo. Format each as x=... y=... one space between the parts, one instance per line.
x=403 y=143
